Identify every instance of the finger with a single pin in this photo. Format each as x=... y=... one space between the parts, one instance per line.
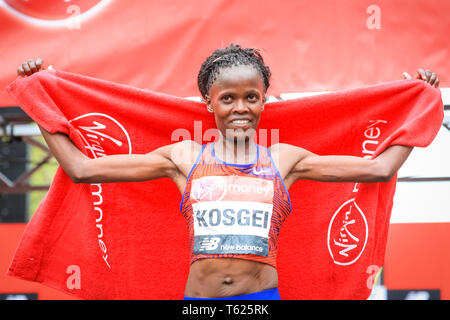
x=421 y=74
x=39 y=63
x=433 y=78
x=406 y=75
x=436 y=83
x=32 y=66
x=428 y=74
x=26 y=68
x=20 y=71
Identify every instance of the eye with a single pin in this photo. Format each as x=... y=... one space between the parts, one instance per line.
x=227 y=98
x=253 y=97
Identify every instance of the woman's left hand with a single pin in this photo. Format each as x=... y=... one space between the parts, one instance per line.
x=425 y=75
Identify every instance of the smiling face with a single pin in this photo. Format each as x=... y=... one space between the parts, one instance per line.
x=237 y=99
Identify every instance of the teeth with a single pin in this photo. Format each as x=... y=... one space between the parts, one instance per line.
x=240 y=121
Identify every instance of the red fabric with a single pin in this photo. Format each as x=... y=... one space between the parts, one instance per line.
x=321 y=45
x=142 y=231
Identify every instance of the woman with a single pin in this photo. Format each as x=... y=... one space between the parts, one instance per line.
x=244 y=220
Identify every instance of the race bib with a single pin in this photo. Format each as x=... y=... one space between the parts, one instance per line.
x=232 y=214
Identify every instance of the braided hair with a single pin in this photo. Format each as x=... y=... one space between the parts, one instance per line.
x=233 y=55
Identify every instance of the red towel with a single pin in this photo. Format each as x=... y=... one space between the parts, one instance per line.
x=129 y=240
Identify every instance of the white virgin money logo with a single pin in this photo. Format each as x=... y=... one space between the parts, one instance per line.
x=347 y=234
x=56 y=14
x=209 y=189
x=102 y=134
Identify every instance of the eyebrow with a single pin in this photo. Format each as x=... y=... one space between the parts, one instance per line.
x=231 y=90
x=232 y=93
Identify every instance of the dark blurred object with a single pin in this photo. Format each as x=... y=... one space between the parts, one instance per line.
x=10 y=118
x=417 y=294
x=18 y=296
x=16 y=127
x=13 y=114
x=13 y=160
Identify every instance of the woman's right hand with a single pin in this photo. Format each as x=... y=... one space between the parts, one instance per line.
x=29 y=67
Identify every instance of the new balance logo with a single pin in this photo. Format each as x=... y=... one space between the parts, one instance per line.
x=209 y=244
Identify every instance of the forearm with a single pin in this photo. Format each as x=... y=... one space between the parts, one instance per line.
x=69 y=157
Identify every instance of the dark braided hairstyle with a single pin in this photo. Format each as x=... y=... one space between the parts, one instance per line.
x=233 y=55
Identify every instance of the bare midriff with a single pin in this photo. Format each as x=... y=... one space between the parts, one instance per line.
x=226 y=277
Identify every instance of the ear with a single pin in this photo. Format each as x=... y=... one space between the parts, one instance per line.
x=208 y=104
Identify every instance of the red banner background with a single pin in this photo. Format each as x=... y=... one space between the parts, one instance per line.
x=310 y=46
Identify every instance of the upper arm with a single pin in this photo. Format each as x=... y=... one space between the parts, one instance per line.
x=182 y=156
x=334 y=168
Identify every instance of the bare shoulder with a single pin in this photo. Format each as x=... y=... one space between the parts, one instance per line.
x=184 y=154
x=182 y=148
x=287 y=150
x=187 y=148
x=280 y=147
x=178 y=158
x=286 y=156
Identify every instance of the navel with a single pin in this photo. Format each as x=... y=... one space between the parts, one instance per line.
x=227 y=280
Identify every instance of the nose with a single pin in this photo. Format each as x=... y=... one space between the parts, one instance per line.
x=240 y=106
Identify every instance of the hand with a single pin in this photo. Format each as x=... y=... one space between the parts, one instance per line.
x=427 y=76
x=29 y=67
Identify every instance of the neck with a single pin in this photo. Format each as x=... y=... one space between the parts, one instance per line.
x=237 y=151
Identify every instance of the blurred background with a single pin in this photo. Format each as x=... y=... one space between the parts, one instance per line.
x=311 y=47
